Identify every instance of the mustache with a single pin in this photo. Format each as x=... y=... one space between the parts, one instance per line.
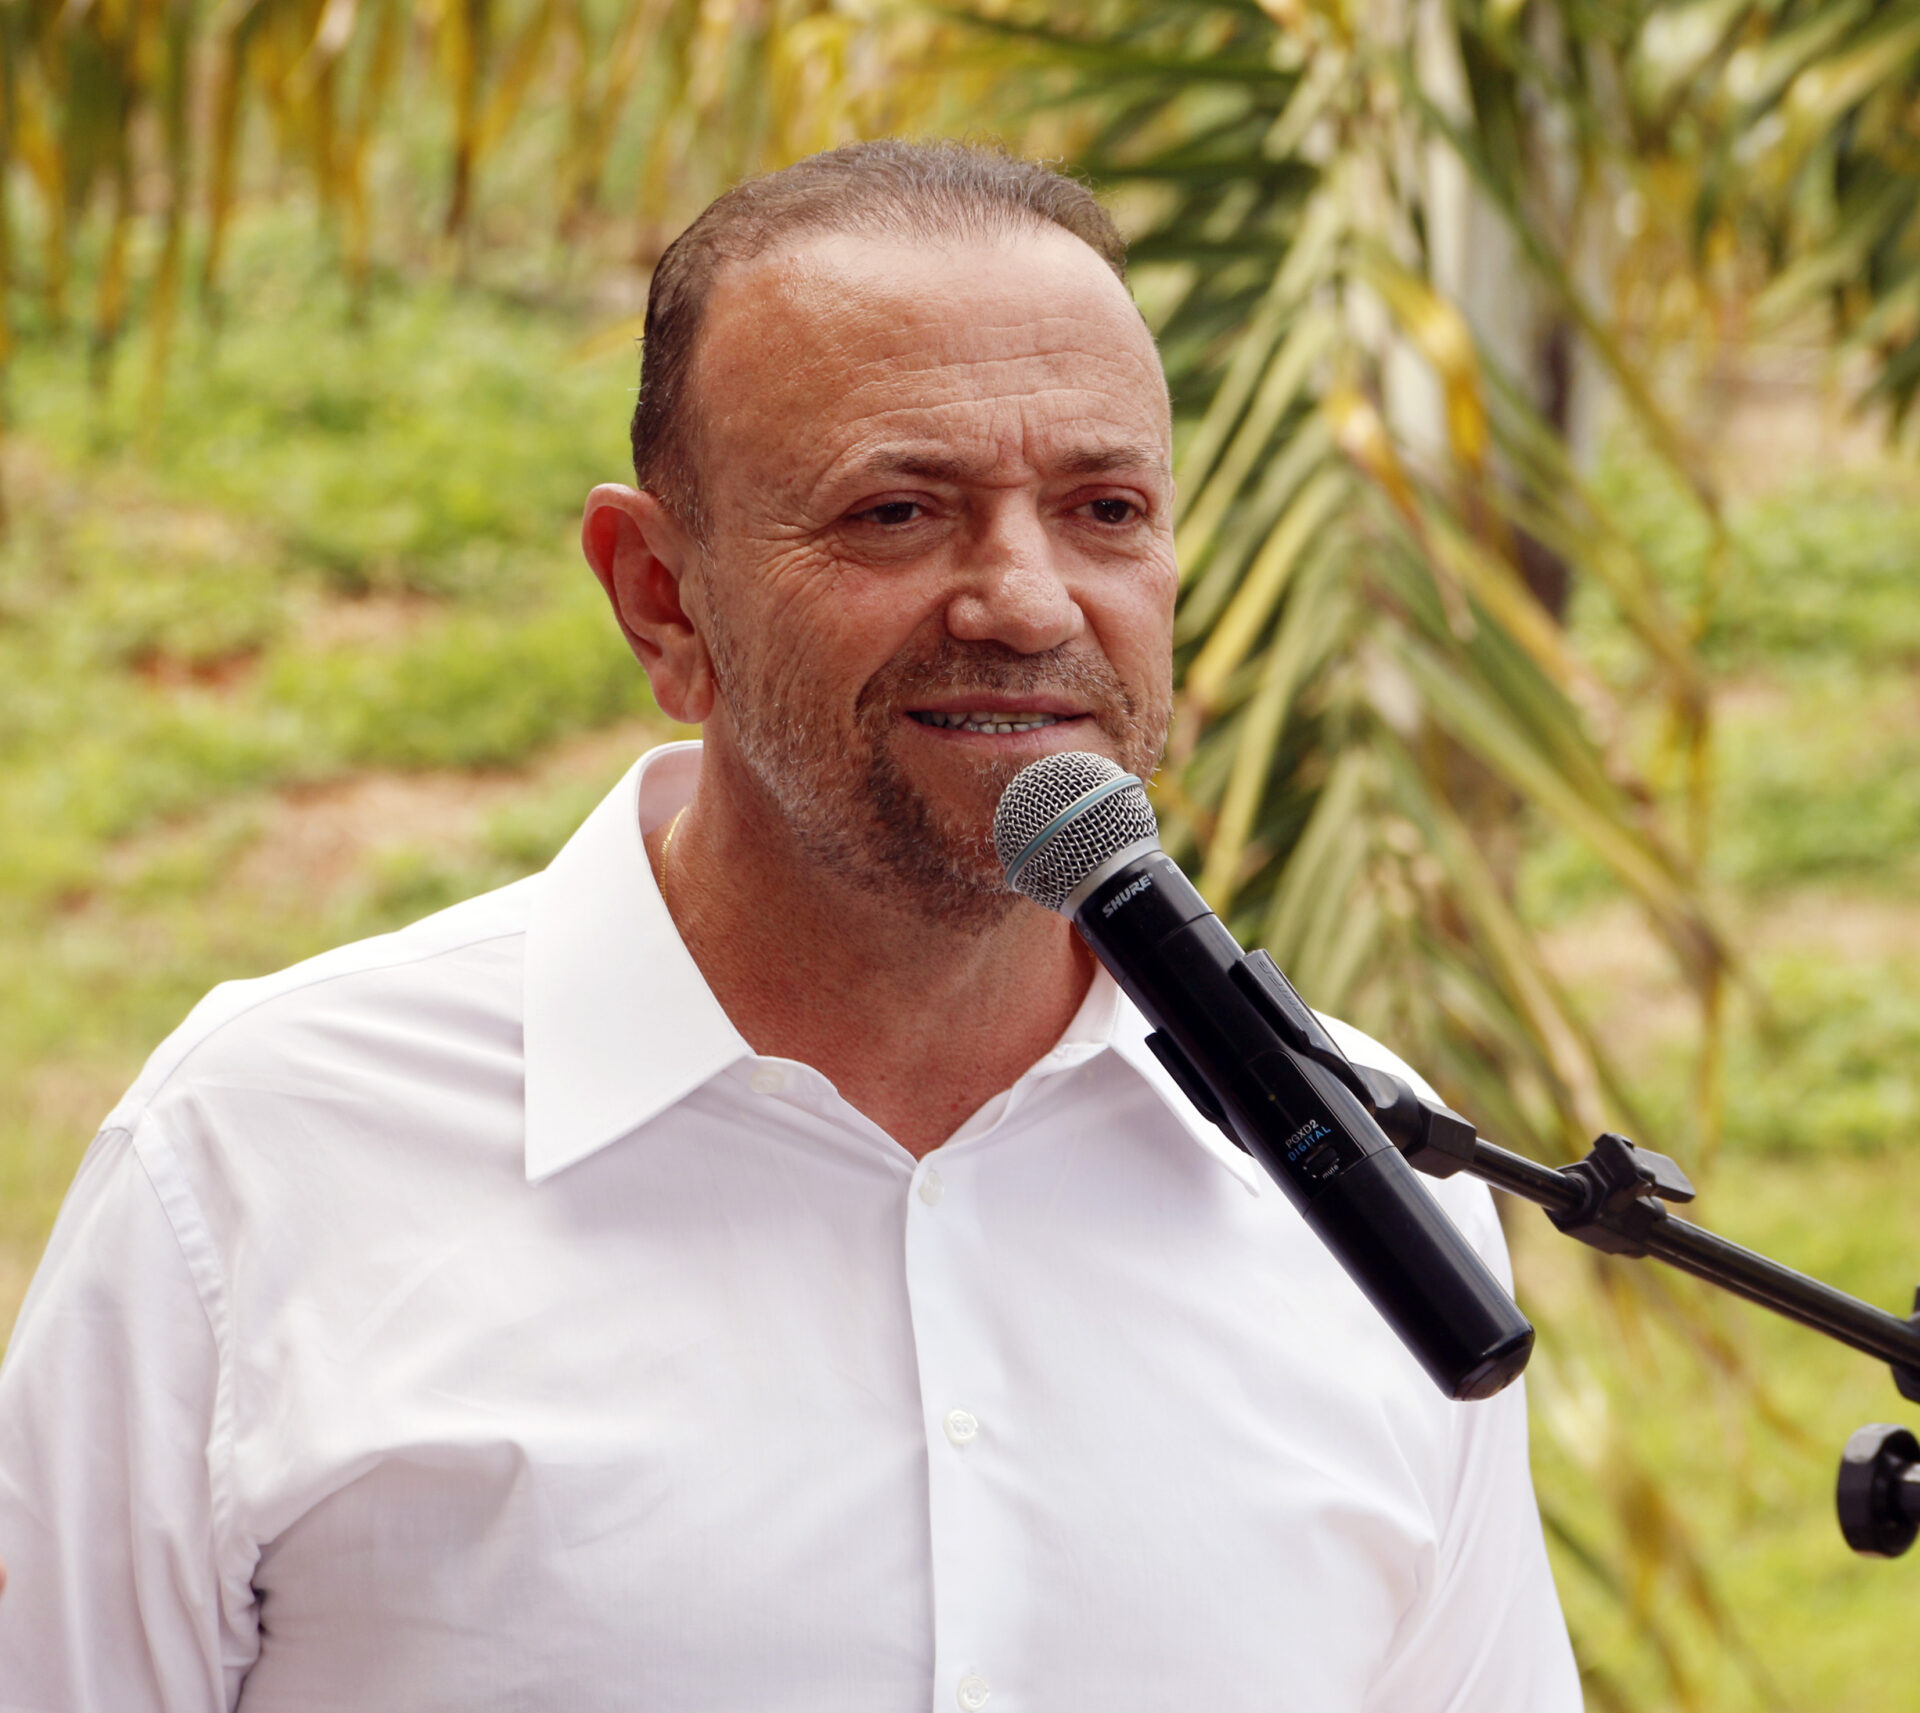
x=954 y=668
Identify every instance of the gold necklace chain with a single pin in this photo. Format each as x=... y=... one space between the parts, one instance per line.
x=666 y=844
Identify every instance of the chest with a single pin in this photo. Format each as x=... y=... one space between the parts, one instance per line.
x=751 y=1419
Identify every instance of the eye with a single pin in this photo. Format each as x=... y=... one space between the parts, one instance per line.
x=1113 y=511
x=891 y=514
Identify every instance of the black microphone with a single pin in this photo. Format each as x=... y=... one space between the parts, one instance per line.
x=1077 y=835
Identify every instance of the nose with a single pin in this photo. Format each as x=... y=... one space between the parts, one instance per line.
x=1011 y=587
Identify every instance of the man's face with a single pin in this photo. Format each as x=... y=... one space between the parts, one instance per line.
x=940 y=542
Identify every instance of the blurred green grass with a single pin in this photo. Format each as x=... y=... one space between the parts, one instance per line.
x=311 y=652
x=344 y=541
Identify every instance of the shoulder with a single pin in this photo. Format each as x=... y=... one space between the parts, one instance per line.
x=1467 y=1200
x=458 y=967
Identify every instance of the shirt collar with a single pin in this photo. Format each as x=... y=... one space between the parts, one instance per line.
x=620 y=1024
x=1128 y=1039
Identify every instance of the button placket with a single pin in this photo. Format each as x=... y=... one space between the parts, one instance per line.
x=946 y=1270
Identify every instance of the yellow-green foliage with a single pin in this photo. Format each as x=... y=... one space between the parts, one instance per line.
x=131 y=131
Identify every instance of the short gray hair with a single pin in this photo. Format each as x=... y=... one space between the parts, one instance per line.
x=930 y=192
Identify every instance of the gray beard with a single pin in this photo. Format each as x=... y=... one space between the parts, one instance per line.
x=869 y=824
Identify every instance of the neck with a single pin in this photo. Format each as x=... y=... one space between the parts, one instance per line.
x=916 y=1021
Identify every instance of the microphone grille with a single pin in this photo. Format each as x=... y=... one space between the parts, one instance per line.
x=1062 y=817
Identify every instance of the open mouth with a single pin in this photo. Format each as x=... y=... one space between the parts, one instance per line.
x=997 y=720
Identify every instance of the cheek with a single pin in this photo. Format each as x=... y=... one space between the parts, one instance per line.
x=817 y=630
x=1133 y=619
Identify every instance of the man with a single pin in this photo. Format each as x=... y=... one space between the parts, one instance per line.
x=756 y=1264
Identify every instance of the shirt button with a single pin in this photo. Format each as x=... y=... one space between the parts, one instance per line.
x=932 y=1187
x=972 y=1692
x=768 y=1079
x=962 y=1428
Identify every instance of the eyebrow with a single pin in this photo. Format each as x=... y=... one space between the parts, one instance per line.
x=1082 y=461
x=1101 y=460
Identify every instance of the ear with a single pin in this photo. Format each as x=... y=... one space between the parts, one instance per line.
x=643 y=555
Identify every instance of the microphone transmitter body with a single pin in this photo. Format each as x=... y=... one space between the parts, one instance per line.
x=1253 y=1057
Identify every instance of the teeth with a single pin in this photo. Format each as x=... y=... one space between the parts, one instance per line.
x=1018 y=722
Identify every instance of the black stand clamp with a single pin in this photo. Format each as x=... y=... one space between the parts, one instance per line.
x=1880 y=1490
x=1617 y=1212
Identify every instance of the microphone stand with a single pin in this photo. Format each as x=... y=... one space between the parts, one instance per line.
x=1616 y=1200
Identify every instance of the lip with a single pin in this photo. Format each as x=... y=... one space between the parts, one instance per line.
x=984 y=703
x=1069 y=731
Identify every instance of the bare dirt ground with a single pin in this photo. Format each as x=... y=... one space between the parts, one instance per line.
x=315 y=842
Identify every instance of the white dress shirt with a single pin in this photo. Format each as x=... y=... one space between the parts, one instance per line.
x=468 y=1319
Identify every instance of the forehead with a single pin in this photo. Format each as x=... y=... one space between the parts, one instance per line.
x=1024 y=349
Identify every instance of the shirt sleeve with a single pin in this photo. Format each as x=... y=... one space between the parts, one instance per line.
x=112 y=1461
x=1487 y=1634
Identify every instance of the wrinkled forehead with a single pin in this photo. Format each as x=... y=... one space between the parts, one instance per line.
x=1029 y=340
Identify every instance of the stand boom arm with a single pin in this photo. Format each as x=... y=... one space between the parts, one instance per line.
x=1706 y=1255
x=1615 y=1199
